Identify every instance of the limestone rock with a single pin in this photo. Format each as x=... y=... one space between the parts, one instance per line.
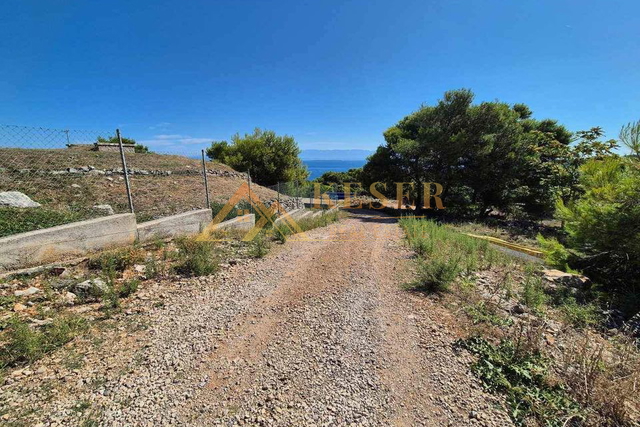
x=26 y=292
x=91 y=287
x=16 y=199
x=104 y=209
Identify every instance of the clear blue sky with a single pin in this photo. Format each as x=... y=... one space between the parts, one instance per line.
x=334 y=74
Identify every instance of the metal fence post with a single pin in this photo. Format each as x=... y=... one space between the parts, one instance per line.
x=296 y=189
x=249 y=181
x=126 y=172
x=206 y=182
x=278 y=190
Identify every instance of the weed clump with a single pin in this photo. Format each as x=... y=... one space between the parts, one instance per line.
x=196 y=258
x=24 y=344
x=522 y=375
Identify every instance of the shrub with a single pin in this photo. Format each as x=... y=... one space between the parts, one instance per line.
x=603 y=224
x=533 y=295
x=445 y=253
x=117 y=260
x=129 y=287
x=555 y=254
x=437 y=274
x=580 y=315
x=521 y=375
x=196 y=258
x=259 y=246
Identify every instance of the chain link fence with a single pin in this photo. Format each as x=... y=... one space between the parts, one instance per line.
x=51 y=177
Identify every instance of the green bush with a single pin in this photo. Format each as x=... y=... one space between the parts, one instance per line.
x=196 y=258
x=522 y=377
x=580 y=315
x=603 y=226
x=259 y=246
x=129 y=287
x=533 y=295
x=437 y=274
x=555 y=254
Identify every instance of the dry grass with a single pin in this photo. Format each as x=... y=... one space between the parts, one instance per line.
x=154 y=196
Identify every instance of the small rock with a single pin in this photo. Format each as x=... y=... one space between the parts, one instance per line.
x=70 y=298
x=16 y=199
x=104 y=209
x=19 y=307
x=139 y=268
x=75 y=185
x=27 y=292
x=91 y=287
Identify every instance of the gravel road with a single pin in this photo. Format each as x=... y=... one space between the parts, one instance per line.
x=318 y=333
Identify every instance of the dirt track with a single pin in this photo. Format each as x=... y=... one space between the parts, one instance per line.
x=320 y=332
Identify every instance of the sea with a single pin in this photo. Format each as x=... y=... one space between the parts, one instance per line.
x=318 y=167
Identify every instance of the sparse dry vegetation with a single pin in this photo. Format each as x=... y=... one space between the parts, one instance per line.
x=537 y=345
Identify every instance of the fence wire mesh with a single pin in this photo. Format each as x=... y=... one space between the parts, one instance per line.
x=73 y=175
x=58 y=172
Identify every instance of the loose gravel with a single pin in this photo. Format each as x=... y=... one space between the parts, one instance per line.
x=318 y=333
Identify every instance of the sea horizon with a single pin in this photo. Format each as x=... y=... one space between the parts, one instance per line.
x=318 y=167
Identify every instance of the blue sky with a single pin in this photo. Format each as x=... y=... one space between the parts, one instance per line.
x=334 y=74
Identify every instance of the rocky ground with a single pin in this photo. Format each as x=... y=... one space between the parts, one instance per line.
x=320 y=332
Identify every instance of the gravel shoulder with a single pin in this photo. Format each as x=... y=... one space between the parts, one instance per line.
x=320 y=332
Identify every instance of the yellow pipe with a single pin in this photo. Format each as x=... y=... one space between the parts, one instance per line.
x=512 y=246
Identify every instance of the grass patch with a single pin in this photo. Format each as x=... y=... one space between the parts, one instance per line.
x=24 y=344
x=21 y=220
x=117 y=260
x=482 y=312
x=580 y=315
x=533 y=295
x=445 y=254
x=242 y=206
x=281 y=231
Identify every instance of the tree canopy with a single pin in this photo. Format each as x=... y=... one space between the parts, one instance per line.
x=487 y=156
x=269 y=158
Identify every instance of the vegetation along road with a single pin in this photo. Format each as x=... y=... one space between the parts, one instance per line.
x=318 y=332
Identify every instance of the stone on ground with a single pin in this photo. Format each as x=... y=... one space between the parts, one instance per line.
x=16 y=199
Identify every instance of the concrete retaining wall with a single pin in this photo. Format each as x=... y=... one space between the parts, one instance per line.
x=76 y=239
x=183 y=224
x=244 y=222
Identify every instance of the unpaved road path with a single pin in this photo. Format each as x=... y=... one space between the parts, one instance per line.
x=318 y=333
